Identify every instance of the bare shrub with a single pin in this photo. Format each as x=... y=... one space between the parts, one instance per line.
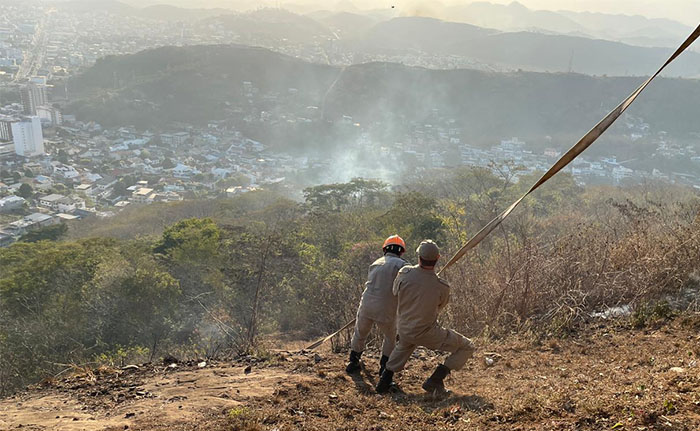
x=576 y=263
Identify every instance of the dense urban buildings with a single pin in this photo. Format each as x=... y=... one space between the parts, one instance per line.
x=56 y=166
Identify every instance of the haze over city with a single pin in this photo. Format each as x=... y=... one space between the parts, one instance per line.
x=192 y=193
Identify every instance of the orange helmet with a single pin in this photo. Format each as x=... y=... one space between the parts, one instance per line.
x=394 y=240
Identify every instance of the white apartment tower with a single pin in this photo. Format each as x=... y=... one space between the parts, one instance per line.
x=28 y=137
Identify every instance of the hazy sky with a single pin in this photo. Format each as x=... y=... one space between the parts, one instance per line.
x=686 y=11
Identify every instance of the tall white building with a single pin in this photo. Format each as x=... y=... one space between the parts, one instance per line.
x=28 y=137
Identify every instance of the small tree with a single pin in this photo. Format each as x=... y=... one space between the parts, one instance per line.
x=25 y=191
x=48 y=233
x=168 y=163
x=62 y=156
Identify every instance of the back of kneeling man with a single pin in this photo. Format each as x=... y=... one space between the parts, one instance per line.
x=421 y=297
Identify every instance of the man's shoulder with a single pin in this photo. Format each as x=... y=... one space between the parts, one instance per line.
x=443 y=282
x=394 y=259
x=389 y=261
x=398 y=262
x=407 y=269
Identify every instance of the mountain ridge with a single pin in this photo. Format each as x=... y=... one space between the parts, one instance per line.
x=524 y=50
x=199 y=83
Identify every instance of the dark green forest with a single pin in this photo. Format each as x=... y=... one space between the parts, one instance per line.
x=217 y=278
x=198 y=84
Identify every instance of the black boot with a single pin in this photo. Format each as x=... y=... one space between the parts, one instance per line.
x=382 y=364
x=385 y=382
x=434 y=384
x=354 y=364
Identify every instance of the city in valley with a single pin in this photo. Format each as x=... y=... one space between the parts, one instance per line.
x=59 y=166
x=354 y=215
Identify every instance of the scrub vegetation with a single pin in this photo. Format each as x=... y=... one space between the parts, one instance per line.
x=218 y=279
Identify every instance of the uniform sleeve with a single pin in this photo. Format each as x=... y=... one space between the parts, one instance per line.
x=397 y=285
x=395 y=271
x=398 y=281
x=444 y=298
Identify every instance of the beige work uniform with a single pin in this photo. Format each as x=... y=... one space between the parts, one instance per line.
x=421 y=296
x=378 y=304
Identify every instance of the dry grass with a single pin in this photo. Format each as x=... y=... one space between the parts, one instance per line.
x=604 y=378
x=550 y=275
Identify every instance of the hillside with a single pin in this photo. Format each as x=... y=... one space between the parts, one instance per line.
x=273 y=25
x=513 y=17
x=345 y=24
x=190 y=84
x=605 y=378
x=527 y=50
x=172 y=13
x=252 y=273
x=504 y=37
x=634 y=29
x=203 y=83
x=158 y=11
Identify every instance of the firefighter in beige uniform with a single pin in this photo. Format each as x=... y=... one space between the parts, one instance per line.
x=378 y=304
x=422 y=295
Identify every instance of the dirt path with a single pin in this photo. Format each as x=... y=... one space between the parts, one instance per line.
x=138 y=399
x=606 y=377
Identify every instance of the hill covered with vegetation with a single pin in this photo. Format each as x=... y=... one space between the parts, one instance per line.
x=529 y=50
x=198 y=84
x=211 y=279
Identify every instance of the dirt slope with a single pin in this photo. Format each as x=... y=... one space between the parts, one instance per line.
x=606 y=377
x=142 y=398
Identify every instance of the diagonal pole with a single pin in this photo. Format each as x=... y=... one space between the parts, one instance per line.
x=586 y=141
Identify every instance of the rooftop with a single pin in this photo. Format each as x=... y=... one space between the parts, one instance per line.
x=52 y=198
x=143 y=191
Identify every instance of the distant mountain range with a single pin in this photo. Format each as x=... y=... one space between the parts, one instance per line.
x=636 y=30
x=428 y=36
x=493 y=42
x=198 y=84
x=513 y=17
x=526 y=50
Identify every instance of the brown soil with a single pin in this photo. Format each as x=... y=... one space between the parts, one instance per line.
x=151 y=397
x=608 y=377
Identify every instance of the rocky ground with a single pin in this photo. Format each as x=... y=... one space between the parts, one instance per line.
x=606 y=376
